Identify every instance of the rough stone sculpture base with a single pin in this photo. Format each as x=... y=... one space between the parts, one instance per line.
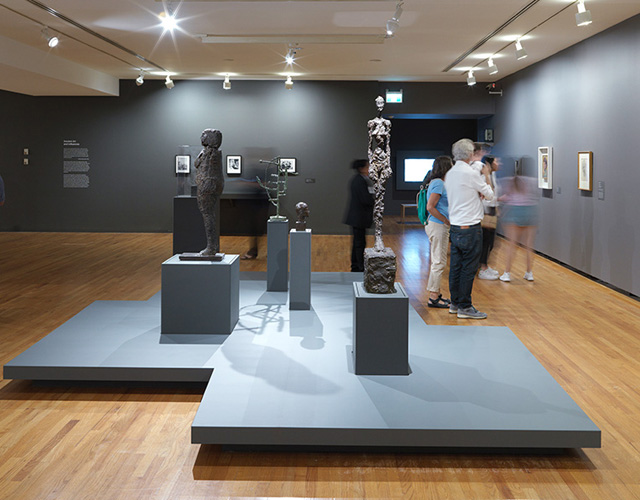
x=379 y=270
x=218 y=257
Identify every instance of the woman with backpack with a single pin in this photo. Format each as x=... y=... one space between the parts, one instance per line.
x=437 y=229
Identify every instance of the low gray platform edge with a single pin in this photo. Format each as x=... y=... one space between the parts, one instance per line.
x=287 y=378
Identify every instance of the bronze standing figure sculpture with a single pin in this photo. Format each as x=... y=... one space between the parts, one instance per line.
x=379 y=165
x=210 y=182
x=379 y=262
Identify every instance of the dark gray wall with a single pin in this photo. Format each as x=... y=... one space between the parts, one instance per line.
x=132 y=140
x=583 y=99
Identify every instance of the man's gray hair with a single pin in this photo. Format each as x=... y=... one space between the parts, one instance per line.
x=462 y=150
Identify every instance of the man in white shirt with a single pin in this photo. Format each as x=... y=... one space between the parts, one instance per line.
x=465 y=189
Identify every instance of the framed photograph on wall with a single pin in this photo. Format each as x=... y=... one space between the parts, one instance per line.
x=585 y=170
x=183 y=164
x=234 y=164
x=290 y=164
x=545 y=167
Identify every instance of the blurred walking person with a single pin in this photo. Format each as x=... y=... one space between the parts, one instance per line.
x=520 y=220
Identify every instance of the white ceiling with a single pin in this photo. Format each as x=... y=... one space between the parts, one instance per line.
x=432 y=35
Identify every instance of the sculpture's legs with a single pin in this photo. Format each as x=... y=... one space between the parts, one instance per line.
x=207 y=208
x=378 y=208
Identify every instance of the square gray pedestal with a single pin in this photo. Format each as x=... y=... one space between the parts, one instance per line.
x=200 y=296
x=300 y=274
x=380 y=331
x=277 y=255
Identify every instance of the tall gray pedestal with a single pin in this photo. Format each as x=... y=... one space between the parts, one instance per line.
x=277 y=255
x=300 y=275
x=380 y=331
x=200 y=296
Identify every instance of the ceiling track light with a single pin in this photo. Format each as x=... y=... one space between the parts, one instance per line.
x=471 y=80
x=583 y=17
x=394 y=23
x=227 y=83
x=288 y=84
x=493 y=69
x=52 y=41
x=169 y=82
x=140 y=79
x=520 y=52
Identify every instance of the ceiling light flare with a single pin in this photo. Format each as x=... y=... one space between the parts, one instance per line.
x=520 y=52
x=169 y=82
x=168 y=21
x=583 y=17
x=227 y=83
x=493 y=69
x=471 y=80
x=288 y=84
x=290 y=58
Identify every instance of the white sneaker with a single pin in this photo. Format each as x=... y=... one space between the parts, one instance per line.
x=528 y=275
x=505 y=276
x=486 y=274
x=493 y=271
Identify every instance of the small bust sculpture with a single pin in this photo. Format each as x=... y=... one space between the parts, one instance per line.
x=302 y=212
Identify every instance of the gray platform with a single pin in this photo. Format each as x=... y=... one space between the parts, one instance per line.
x=286 y=377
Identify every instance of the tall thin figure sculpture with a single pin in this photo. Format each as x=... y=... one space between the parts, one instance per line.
x=210 y=182
x=379 y=165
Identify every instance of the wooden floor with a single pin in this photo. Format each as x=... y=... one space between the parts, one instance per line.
x=132 y=441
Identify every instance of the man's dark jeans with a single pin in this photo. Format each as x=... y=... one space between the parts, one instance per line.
x=466 y=247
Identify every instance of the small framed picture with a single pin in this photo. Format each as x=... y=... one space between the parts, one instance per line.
x=183 y=164
x=290 y=164
x=585 y=170
x=234 y=165
x=545 y=167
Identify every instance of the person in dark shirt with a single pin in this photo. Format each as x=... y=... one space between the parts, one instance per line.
x=359 y=212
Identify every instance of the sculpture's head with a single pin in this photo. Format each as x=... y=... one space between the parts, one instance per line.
x=302 y=210
x=380 y=102
x=211 y=137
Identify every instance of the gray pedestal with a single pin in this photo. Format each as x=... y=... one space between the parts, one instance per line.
x=277 y=255
x=380 y=332
x=300 y=275
x=200 y=297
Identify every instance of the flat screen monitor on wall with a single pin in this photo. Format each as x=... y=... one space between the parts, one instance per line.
x=412 y=167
